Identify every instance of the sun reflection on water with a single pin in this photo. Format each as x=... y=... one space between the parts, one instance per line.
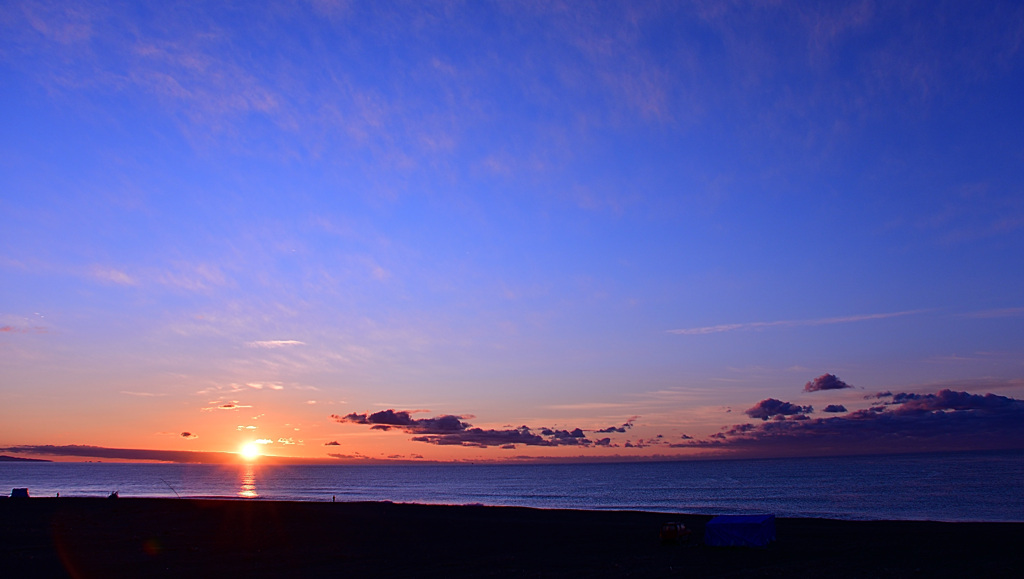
x=248 y=489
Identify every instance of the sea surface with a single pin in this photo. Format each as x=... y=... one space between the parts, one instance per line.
x=985 y=486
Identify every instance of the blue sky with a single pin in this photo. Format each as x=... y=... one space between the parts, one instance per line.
x=238 y=221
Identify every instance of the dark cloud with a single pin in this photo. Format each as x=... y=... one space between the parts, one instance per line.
x=641 y=443
x=950 y=400
x=832 y=408
x=825 y=382
x=770 y=407
x=332 y=443
x=189 y=435
x=388 y=419
x=233 y=405
x=621 y=429
x=945 y=421
x=563 y=434
x=449 y=430
x=483 y=438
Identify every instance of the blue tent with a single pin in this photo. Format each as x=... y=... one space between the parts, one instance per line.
x=740 y=531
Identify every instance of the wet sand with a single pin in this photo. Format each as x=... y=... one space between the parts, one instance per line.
x=85 y=537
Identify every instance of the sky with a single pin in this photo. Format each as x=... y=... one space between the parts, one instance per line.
x=510 y=231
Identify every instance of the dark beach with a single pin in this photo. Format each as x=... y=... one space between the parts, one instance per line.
x=95 y=537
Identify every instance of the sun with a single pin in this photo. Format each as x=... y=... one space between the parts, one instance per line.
x=250 y=451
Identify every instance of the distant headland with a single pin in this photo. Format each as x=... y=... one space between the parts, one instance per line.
x=5 y=458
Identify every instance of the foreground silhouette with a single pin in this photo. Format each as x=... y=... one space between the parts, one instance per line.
x=129 y=537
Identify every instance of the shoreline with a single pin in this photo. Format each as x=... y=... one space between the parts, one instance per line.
x=262 y=499
x=99 y=537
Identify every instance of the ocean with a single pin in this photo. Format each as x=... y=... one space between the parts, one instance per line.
x=938 y=487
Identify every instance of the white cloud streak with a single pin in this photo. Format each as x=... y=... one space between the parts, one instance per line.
x=789 y=323
x=261 y=386
x=274 y=343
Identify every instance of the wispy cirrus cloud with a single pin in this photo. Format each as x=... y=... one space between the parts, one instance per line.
x=790 y=323
x=198 y=277
x=111 y=275
x=22 y=330
x=589 y=406
x=997 y=313
x=274 y=343
x=193 y=277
